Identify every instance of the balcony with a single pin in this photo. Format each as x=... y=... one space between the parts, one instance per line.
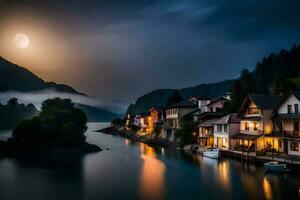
x=292 y=133
x=253 y=132
x=252 y=112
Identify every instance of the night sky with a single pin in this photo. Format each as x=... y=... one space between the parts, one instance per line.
x=117 y=50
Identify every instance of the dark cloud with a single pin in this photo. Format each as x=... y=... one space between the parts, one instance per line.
x=123 y=48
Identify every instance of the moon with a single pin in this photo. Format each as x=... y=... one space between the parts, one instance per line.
x=22 y=40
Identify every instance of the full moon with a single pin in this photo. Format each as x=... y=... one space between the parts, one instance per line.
x=22 y=40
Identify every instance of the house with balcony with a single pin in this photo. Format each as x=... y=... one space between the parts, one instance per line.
x=287 y=122
x=256 y=123
x=174 y=115
x=224 y=128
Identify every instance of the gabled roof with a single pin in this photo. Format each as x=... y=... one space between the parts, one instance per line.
x=208 y=123
x=296 y=94
x=265 y=101
x=184 y=104
x=286 y=96
x=203 y=97
x=262 y=101
x=230 y=118
x=157 y=108
x=216 y=100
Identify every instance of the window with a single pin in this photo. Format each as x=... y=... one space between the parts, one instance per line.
x=247 y=126
x=279 y=143
x=255 y=126
x=211 y=109
x=226 y=128
x=289 y=109
x=296 y=108
x=294 y=146
x=253 y=111
x=219 y=128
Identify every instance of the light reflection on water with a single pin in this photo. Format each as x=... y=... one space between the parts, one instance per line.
x=152 y=174
x=131 y=170
x=267 y=188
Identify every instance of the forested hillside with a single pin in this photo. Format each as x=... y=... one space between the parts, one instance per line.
x=14 y=77
x=274 y=74
x=161 y=96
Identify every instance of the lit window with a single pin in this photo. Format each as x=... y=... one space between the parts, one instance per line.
x=247 y=126
x=255 y=126
x=279 y=143
x=294 y=146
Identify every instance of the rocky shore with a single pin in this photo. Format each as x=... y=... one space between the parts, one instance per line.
x=134 y=136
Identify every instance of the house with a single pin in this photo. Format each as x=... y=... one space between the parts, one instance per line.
x=174 y=115
x=157 y=117
x=224 y=128
x=203 y=101
x=205 y=137
x=143 y=120
x=287 y=122
x=256 y=123
x=208 y=109
x=207 y=113
x=216 y=105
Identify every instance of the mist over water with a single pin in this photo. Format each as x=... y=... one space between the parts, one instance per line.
x=37 y=97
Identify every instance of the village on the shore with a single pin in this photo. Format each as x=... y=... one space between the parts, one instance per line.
x=266 y=127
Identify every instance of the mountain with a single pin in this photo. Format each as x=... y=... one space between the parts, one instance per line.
x=159 y=97
x=95 y=114
x=17 y=78
x=14 y=77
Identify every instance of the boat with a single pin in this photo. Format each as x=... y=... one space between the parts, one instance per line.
x=212 y=153
x=275 y=166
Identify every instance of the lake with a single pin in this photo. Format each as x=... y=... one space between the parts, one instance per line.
x=130 y=170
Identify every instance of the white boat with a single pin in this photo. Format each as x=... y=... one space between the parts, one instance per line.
x=212 y=153
x=275 y=166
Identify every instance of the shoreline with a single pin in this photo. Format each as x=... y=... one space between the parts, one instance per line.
x=240 y=156
x=147 y=139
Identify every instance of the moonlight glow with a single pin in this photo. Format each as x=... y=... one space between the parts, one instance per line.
x=22 y=41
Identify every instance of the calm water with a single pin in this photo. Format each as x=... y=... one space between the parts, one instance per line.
x=135 y=171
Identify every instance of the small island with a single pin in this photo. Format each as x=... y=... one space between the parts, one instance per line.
x=57 y=132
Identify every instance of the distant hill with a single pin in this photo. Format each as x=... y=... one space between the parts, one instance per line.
x=95 y=114
x=159 y=97
x=13 y=113
x=14 y=77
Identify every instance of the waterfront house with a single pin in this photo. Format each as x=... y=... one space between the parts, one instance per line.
x=287 y=122
x=174 y=115
x=157 y=117
x=224 y=128
x=205 y=137
x=142 y=120
x=208 y=112
x=256 y=123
